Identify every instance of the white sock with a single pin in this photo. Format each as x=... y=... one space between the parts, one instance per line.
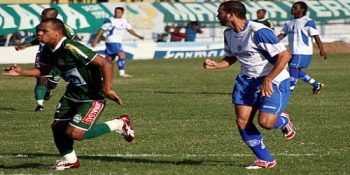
x=115 y=125
x=122 y=72
x=40 y=102
x=71 y=157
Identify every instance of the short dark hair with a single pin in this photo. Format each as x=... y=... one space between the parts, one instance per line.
x=235 y=7
x=302 y=5
x=50 y=10
x=57 y=23
x=261 y=10
x=119 y=8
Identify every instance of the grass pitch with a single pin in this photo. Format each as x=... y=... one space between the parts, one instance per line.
x=184 y=123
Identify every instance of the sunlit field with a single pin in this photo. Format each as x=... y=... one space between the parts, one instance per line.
x=184 y=124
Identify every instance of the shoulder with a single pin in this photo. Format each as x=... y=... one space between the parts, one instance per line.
x=227 y=30
x=75 y=48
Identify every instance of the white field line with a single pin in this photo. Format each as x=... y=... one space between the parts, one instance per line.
x=175 y=155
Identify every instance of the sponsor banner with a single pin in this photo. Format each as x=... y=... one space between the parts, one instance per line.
x=153 y=16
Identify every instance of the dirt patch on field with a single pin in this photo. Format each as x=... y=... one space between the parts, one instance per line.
x=334 y=47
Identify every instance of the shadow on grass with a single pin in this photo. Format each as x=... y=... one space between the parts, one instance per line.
x=116 y=158
x=182 y=92
x=5 y=109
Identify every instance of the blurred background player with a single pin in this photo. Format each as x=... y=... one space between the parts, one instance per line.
x=90 y=78
x=261 y=18
x=115 y=27
x=46 y=83
x=263 y=82
x=192 y=29
x=300 y=30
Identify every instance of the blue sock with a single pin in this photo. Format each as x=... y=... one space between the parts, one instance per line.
x=121 y=64
x=294 y=75
x=305 y=77
x=254 y=140
x=281 y=121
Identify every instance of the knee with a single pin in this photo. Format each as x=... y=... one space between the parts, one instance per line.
x=74 y=133
x=266 y=123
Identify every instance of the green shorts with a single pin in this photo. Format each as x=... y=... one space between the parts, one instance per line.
x=81 y=115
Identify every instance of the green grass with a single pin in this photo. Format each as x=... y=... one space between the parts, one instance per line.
x=184 y=123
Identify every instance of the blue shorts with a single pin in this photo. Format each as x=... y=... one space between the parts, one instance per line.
x=112 y=49
x=246 y=92
x=300 y=61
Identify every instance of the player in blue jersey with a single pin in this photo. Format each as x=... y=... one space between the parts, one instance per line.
x=115 y=27
x=300 y=30
x=262 y=85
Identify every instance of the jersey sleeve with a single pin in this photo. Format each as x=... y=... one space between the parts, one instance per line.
x=82 y=53
x=128 y=25
x=69 y=32
x=268 y=42
x=227 y=51
x=311 y=28
x=107 y=24
x=284 y=30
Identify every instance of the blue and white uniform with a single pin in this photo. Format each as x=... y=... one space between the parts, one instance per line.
x=300 y=32
x=115 y=29
x=256 y=48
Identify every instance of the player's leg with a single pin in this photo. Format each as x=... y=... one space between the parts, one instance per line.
x=244 y=97
x=40 y=91
x=316 y=86
x=121 y=61
x=271 y=109
x=294 y=76
x=64 y=112
x=85 y=126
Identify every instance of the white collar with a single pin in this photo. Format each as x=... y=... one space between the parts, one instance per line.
x=58 y=44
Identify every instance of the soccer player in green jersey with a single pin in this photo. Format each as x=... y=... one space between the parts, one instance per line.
x=45 y=84
x=90 y=78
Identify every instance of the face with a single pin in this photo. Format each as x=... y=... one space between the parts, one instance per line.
x=260 y=14
x=223 y=16
x=47 y=34
x=297 y=10
x=118 y=13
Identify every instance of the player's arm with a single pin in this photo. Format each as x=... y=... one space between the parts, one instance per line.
x=281 y=63
x=132 y=32
x=106 y=68
x=323 y=53
x=25 y=45
x=281 y=36
x=98 y=38
x=225 y=62
x=16 y=71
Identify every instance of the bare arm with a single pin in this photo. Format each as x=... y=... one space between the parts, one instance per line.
x=281 y=36
x=98 y=37
x=106 y=68
x=17 y=71
x=282 y=60
x=323 y=53
x=225 y=62
x=132 y=32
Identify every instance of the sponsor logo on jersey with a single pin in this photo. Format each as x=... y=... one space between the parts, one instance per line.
x=94 y=111
x=77 y=118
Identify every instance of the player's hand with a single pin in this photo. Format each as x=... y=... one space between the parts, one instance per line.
x=110 y=94
x=266 y=89
x=94 y=43
x=13 y=70
x=21 y=47
x=323 y=54
x=209 y=64
x=141 y=37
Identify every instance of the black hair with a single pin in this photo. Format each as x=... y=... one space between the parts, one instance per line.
x=57 y=23
x=119 y=8
x=235 y=7
x=302 y=5
x=50 y=10
x=262 y=10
